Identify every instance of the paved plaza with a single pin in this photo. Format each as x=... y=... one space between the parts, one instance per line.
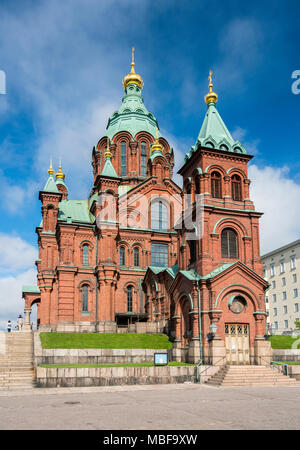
x=155 y=407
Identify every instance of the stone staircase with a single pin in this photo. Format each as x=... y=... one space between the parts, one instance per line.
x=16 y=360
x=251 y=376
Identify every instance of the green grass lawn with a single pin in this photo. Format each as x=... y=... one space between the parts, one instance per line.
x=282 y=342
x=105 y=340
x=290 y=363
x=62 y=366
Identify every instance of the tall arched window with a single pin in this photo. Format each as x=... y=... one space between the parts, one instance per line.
x=85 y=255
x=216 y=191
x=229 y=244
x=123 y=159
x=143 y=159
x=159 y=216
x=236 y=185
x=197 y=185
x=136 y=256
x=122 y=256
x=129 y=299
x=85 y=298
x=192 y=245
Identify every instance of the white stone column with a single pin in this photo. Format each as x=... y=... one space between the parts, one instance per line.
x=27 y=325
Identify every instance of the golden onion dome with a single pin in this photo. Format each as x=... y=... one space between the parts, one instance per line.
x=211 y=96
x=156 y=147
x=51 y=170
x=59 y=175
x=132 y=77
x=107 y=154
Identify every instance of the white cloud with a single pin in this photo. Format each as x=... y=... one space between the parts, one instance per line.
x=16 y=198
x=15 y=254
x=277 y=196
x=251 y=146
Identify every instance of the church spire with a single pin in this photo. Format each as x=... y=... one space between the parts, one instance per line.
x=211 y=96
x=156 y=147
x=59 y=175
x=108 y=169
x=132 y=77
x=51 y=170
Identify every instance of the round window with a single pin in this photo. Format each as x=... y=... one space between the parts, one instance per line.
x=238 y=305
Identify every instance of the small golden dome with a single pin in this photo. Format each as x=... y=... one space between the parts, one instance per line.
x=51 y=170
x=156 y=147
x=211 y=96
x=132 y=77
x=107 y=154
x=59 y=174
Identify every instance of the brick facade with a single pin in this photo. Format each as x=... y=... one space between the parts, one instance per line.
x=108 y=261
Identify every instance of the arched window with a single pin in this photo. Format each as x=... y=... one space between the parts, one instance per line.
x=197 y=185
x=236 y=185
x=229 y=244
x=85 y=255
x=85 y=298
x=136 y=256
x=216 y=191
x=192 y=245
x=122 y=256
x=159 y=216
x=129 y=299
x=123 y=159
x=143 y=159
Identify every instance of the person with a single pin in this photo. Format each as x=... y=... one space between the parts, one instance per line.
x=20 y=322
x=9 y=326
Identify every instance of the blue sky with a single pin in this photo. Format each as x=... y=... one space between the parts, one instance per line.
x=64 y=63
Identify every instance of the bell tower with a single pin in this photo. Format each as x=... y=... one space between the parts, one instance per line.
x=215 y=172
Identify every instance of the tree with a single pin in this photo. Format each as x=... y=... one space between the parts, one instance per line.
x=297 y=324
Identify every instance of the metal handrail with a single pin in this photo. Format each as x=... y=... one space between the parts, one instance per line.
x=278 y=363
x=198 y=375
x=282 y=364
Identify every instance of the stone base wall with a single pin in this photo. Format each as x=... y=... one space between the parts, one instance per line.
x=106 y=327
x=95 y=356
x=286 y=355
x=113 y=376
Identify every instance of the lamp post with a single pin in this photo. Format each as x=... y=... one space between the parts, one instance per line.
x=213 y=329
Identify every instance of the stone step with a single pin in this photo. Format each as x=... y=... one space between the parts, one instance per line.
x=250 y=376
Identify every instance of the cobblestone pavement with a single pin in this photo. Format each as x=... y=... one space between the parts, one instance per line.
x=155 y=407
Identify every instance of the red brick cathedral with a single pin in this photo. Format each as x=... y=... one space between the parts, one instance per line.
x=143 y=255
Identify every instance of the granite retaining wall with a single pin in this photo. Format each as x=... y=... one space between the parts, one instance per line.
x=113 y=376
x=286 y=355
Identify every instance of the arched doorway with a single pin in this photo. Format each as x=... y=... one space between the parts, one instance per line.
x=237 y=334
x=186 y=322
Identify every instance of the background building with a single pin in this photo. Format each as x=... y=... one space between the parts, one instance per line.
x=282 y=271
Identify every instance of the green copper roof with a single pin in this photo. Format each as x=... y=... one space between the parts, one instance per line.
x=132 y=116
x=31 y=289
x=50 y=186
x=108 y=169
x=60 y=181
x=214 y=134
x=75 y=211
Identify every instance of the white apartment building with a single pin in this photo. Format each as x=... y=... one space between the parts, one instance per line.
x=282 y=271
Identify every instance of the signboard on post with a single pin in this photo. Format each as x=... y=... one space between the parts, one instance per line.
x=160 y=359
